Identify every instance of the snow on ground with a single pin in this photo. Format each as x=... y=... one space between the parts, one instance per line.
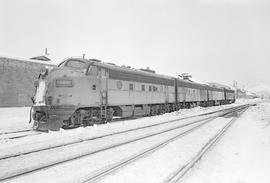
x=242 y=155
x=10 y=121
x=88 y=165
x=13 y=118
x=18 y=118
x=159 y=165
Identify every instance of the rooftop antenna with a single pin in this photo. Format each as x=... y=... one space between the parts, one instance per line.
x=46 y=51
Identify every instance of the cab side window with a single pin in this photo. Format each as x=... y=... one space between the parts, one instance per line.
x=103 y=72
x=93 y=70
x=131 y=87
x=143 y=87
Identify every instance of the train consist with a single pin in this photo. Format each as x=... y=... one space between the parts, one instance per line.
x=87 y=91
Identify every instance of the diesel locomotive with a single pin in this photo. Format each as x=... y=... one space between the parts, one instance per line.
x=81 y=92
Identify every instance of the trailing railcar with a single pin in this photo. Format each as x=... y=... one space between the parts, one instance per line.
x=229 y=96
x=191 y=94
x=216 y=96
x=82 y=92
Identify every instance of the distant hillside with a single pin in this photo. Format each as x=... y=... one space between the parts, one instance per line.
x=260 y=88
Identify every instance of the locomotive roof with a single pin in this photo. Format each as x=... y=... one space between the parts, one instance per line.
x=187 y=83
x=156 y=78
x=131 y=70
x=131 y=74
x=192 y=84
x=123 y=68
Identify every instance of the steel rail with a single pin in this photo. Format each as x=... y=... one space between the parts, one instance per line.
x=112 y=168
x=18 y=131
x=50 y=164
x=117 y=133
x=19 y=134
x=181 y=172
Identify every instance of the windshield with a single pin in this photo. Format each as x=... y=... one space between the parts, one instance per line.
x=75 y=64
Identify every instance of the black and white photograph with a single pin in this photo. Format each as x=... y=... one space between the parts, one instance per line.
x=134 y=91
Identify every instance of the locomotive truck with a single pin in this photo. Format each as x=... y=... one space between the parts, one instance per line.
x=81 y=92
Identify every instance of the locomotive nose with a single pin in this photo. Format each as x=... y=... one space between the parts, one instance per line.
x=45 y=119
x=52 y=125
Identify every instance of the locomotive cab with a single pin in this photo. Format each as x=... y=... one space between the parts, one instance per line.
x=74 y=84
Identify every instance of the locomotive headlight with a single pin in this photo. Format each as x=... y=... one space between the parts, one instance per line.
x=64 y=83
x=44 y=71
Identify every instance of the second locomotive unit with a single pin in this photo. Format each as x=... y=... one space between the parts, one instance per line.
x=87 y=91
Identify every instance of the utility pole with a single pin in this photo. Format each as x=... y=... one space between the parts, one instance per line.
x=236 y=90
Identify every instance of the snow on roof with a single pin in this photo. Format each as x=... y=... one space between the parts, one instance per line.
x=198 y=81
x=42 y=58
x=54 y=60
x=218 y=85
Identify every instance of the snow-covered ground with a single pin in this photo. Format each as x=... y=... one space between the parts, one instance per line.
x=15 y=118
x=240 y=156
x=158 y=166
x=12 y=118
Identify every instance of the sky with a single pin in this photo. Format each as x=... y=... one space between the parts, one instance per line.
x=213 y=40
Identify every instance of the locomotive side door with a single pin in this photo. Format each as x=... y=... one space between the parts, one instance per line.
x=94 y=85
x=166 y=91
x=103 y=82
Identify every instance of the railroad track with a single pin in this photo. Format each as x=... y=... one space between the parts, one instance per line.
x=104 y=172
x=11 y=175
x=11 y=154
x=23 y=132
x=18 y=134
x=14 y=132
x=181 y=172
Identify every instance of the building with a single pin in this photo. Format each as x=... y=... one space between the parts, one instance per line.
x=17 y=78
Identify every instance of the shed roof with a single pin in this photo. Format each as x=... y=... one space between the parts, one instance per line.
x=42 y=58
